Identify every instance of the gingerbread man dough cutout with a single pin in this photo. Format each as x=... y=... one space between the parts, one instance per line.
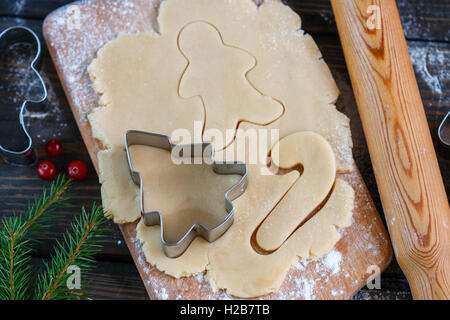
x=210 y=60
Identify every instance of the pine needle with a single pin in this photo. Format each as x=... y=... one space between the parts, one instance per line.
x=77 y=249
x=18 y=233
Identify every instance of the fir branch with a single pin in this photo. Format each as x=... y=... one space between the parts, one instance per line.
x=77 y=248
x=18 y=233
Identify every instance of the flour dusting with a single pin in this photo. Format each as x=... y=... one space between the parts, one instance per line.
x=22 y=84
x=431 y=65
x=333 y=261
x=306 y=287
x=127 y=16
x=18 y=6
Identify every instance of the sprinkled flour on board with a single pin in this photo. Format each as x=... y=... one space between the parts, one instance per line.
x=333 y=261
x=309 y=277
x=306 y=287
x=76 y=53
x=314 y=276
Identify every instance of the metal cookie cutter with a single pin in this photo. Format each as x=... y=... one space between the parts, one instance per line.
x=11 y=35
x=175 y=249
x=444 y=131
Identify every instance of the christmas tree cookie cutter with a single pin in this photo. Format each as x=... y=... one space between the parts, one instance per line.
x=9 y=36
x=175 y=249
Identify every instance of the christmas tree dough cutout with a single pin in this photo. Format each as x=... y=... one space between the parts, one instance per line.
x=184 y=194
x=233 y=98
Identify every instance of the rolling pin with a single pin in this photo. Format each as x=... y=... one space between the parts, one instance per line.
x=401 y=149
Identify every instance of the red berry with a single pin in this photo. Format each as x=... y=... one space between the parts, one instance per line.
x=77 y=170
x=29 y=154
x=46 y=170
x=53 y=148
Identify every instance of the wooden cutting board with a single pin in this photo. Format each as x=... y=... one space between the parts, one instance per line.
x=74 y=33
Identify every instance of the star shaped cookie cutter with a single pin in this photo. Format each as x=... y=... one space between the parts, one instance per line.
x=175 y=249
x=8 y=36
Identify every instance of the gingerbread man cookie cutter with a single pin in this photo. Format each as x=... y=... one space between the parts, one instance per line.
x=13 y=35
x=175 y=249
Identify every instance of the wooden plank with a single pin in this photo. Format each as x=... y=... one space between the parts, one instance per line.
x=425 y=20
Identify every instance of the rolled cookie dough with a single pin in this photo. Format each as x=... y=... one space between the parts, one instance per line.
x=138 y=78
x=119 y=193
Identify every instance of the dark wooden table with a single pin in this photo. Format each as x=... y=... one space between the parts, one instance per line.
x=427 y=29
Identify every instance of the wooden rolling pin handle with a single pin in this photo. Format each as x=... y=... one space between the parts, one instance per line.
x=402 y=153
